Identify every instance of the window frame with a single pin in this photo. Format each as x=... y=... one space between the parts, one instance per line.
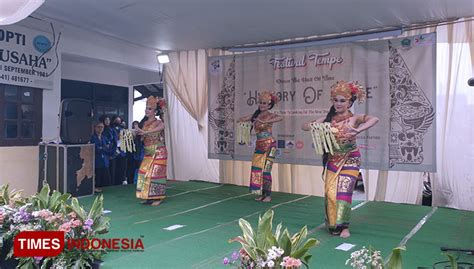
x=37 y=118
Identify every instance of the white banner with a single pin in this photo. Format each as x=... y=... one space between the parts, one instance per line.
x=398 y=74
x=27 y=57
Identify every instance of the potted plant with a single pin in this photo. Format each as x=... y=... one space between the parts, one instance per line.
x=263 y=248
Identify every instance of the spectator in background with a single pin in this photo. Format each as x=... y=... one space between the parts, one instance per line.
x=137 y=156
x=121 y=156
x=102 y=156
x=111 y=135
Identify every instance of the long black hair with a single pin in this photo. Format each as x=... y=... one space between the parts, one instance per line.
x=159 y=112
x=329 y=116
x=258 y=111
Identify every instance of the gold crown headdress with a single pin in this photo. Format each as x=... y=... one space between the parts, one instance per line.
x=349 y=89
x=267 y=96
x=152 y=101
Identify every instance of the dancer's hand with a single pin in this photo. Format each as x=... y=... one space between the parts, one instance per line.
x=140 y=131
x=352 y=132
x=306 y=126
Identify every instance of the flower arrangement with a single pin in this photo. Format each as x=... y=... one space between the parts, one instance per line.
x=52 y=212
x=369 y=258
x=261 y=248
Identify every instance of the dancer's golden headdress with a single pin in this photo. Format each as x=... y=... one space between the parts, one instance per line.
x=267 y=96
x=348 y=89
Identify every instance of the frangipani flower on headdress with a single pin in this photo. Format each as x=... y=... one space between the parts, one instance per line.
x=267 y=96
x=157 y=102
x=162 y=103
x=349 y=89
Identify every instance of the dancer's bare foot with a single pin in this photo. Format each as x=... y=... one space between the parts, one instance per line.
x=267 y=199
x=345 y=233
x=156 y=203
x=259 y=198
x=97 y=190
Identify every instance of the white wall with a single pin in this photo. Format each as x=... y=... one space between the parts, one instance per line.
x=94 y=72
x=19 y=168
x=84 y=56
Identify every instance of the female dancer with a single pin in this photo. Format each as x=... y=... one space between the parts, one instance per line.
x=342 y=167
x=265 y=148
x=151 y=182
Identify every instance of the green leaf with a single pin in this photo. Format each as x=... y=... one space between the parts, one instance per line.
x=260 y=252
x=278 y=231
x=77 y=208
x=101 y=225
x=54 y=203
x=306 y=259
x=97 y=208
x=26 y=263
x=250 y=251
x=271 y=240
x=395 y=259
x=264 y=229
x=298 y=238
x=298 y=253
x=452 y=260
x=247 y=231
x=46 y=263
x=5 y=195
x=285 y=242
x=43 y=195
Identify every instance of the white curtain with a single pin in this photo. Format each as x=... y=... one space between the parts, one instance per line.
x=186 y=76
x=186 y=93
x=453 y=184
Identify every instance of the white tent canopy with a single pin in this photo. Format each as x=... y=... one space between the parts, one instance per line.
x=188 y=24
x=182 y=27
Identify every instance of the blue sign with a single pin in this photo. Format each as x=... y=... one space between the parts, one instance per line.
x=41 y=43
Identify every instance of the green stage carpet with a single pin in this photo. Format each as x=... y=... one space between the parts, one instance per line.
x=210 y=213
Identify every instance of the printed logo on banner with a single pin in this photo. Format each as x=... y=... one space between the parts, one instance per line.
x=281 y=144
x=290 y=144
x=215 y=67
x=41 y=43
x=406 y=43
x=366 y=147
x=278 y=153
x=299 y=144
x=424 y=40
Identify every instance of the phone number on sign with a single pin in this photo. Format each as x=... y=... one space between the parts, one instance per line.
x=14 y=78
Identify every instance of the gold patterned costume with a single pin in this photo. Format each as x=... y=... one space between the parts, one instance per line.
x=151 y=182
x=342 y=168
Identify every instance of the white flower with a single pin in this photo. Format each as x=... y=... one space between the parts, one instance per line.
x=272 y=255
x=270 y=264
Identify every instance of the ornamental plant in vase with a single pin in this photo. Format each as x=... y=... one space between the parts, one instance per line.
x=263 y=248
x=52 y=212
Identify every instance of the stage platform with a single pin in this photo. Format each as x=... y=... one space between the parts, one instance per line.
x=210 y=214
